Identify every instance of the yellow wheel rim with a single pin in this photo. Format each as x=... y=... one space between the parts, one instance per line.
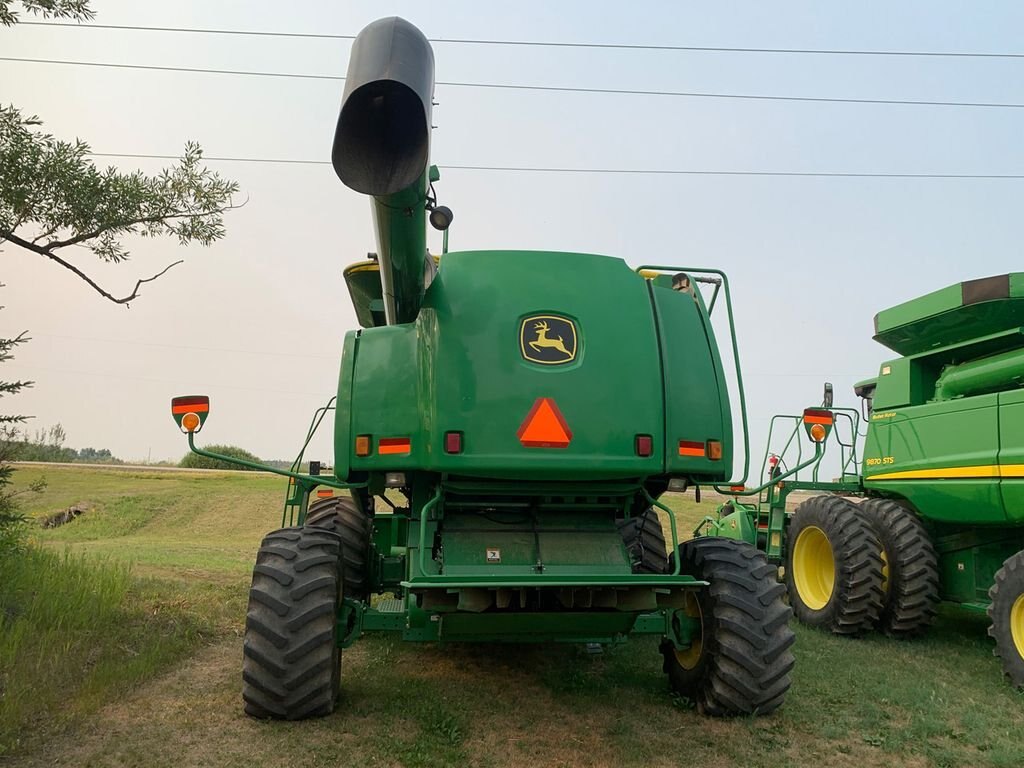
x=1017 y=624
x=814 y=568
x=689 y=658
x=885 y=573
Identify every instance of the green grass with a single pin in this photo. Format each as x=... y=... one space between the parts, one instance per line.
x=189 y=542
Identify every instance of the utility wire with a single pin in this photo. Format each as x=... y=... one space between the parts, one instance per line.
x=189 y=347
x=638 y=171
x=542 y=43
x=543 y=88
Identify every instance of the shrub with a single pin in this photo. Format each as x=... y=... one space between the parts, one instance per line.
x=195 y=461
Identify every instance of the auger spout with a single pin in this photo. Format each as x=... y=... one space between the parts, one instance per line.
x=382 y=149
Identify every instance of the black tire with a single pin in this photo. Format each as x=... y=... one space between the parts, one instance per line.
x=911 y=585
x=833 y=566
x=343 y=516
x=742 y=663
x=1007 y=614
x=291 y=664
x=644 y=539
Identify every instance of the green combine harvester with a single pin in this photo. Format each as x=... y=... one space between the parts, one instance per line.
x=505 y=425
x=941 y=484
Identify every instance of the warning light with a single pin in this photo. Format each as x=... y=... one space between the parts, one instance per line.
x=190 y=412
x=715 y=450
x=363 y=443
x=818 y=423
x=644 y=445
x=691 y=448
x=544 y=426
x=391 y=446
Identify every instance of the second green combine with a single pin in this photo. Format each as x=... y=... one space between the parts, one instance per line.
x=934 y=509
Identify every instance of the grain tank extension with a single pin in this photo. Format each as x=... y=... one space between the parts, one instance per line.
x=505 y=425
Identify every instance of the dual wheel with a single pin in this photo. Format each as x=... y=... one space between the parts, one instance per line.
x=852 y=567
x=738 y=661
x=291 y=666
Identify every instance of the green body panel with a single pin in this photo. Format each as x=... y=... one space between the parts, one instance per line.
x=460 y=367
x=940 y=442
x=1011 y=453
x=696 y=397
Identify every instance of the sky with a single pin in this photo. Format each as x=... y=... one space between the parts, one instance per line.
x=256 y=321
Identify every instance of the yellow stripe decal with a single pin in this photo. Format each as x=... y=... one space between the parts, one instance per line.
x=953 y=473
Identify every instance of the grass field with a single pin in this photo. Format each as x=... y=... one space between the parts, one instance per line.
x=161 y=685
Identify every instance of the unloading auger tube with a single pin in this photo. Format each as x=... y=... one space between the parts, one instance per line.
x=382 y=149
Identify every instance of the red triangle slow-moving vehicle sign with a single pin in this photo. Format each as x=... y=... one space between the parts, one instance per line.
x=544 y=426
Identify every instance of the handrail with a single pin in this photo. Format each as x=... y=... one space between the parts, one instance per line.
x=672 y=524
x=424 y=514
x=312 y=479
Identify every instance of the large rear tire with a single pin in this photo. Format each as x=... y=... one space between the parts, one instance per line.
x=342 y=515
x=833 y=566
x=911 y=569
x=644 y=539
x=739 y=664
x=291 y=665
x=1007 y=614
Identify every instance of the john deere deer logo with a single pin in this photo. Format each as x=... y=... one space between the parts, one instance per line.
x=548 y=339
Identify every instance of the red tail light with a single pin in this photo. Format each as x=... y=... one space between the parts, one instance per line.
x=453 y=442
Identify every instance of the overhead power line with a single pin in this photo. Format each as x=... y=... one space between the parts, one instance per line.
x=637 y=171
x=545 y=88
x=545 y=43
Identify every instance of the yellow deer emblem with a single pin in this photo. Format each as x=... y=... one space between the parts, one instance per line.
x=548 y=339
x=542 y=341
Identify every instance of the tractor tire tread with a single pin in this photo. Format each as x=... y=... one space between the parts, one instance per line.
x=912 y=598
x=644 y=539
x=747 y=638
x=858 y=596
x=1007 y=587
x=291 y=662
x=354 y=527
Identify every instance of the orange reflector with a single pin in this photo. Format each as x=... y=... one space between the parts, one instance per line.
x=363 y=443
x=544 y=426
x=324 y=493
x=691 y=448
x=714 y=450
x=737 y=488
x=389 y=446
x=818 y=432
x=812 y=416
x=193 y=404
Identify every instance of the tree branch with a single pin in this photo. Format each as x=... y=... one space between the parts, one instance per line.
x=55 y=244
x=42 y=251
